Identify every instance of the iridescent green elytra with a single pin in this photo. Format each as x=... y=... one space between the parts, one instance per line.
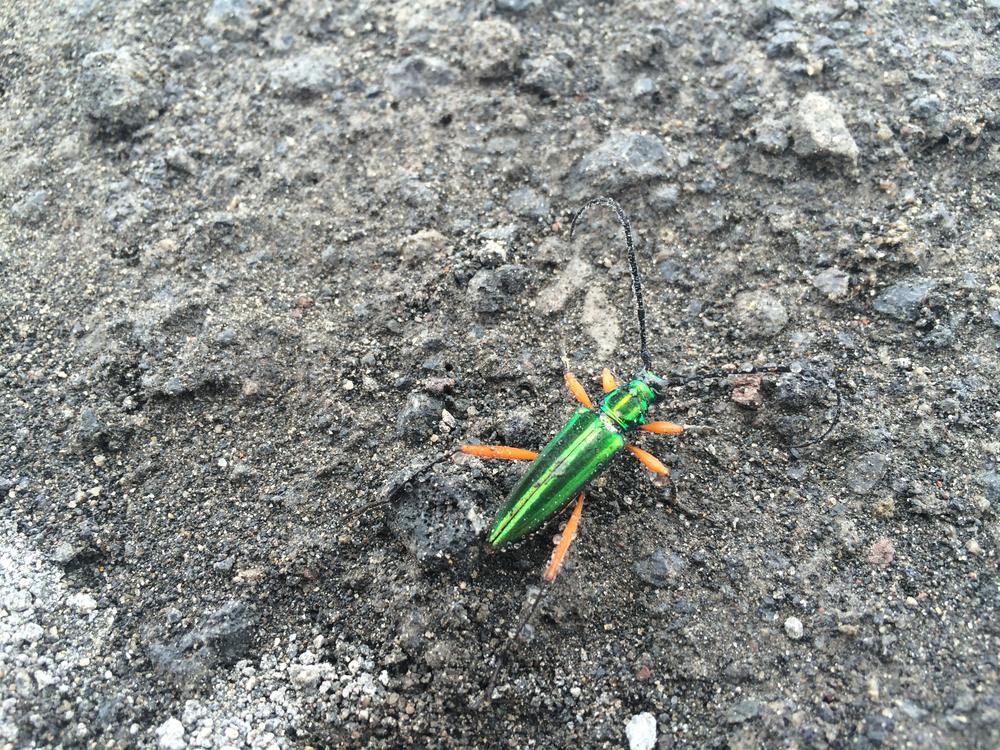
x=580 y=452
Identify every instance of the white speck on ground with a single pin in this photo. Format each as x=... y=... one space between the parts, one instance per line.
x=641 y=731
x=170 y=735
x=793 y=628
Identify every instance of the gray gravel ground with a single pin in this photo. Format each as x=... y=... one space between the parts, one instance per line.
x=260 y=257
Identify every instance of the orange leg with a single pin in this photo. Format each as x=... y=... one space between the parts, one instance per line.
x=499 y=451
x=608 y=381
x=577 y=390
x=663 y=428
x=650 y=461
x=568 y=535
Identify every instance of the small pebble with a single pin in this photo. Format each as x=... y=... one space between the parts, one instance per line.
x=43 y=678
x=903 y=300
x=83 y=602
x=833 y=282
x=881 y=553
x=170 y=735
x=819 y=130
x=493 y=49
x=30 y=632
x=866 y=472
x=641 y=731
x=793 y=628
x=306 y=676
x=759 y=314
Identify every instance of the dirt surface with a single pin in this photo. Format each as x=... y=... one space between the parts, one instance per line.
x=260 y=260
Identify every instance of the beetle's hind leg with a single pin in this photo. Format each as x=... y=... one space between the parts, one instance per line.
x=568 y=535
x=551 y=571
x=502 y=452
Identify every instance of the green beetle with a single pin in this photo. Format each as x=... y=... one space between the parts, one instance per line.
x=581 y=451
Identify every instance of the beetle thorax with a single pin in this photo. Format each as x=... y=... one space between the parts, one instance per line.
x=627 y=405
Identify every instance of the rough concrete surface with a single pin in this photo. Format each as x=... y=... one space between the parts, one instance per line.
x=261 y=260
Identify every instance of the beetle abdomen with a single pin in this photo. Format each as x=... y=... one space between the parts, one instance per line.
x=577 y=454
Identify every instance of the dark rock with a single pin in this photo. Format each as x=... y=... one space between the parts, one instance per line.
x=225 y=337
x=180 y=160
x=546 y=76
x=990 y=482
x=833 y=282
x=492 y=291
x=65 y=553
x=416 y=193
x=623 y=160
x=904 y=299
x=723 y=48
x=503 y=233
x=878 y=728
x=416 y=75
x=110 y=709
x=174 y=386
x=925 y=107
x=783 y=44
x=516 y=6
x=419 y=417
x=759 y=314
x=90 y=431
x=182 y=56
x=805 y=385
x=772 y=136
x=220 y=639
x=333 y=257
x=520 y=427
x=441 y=515
x=866 y=472
x=744 y=711
x=118 y=94
x=661 y=569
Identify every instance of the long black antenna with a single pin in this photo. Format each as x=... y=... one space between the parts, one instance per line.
x=640 y=308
